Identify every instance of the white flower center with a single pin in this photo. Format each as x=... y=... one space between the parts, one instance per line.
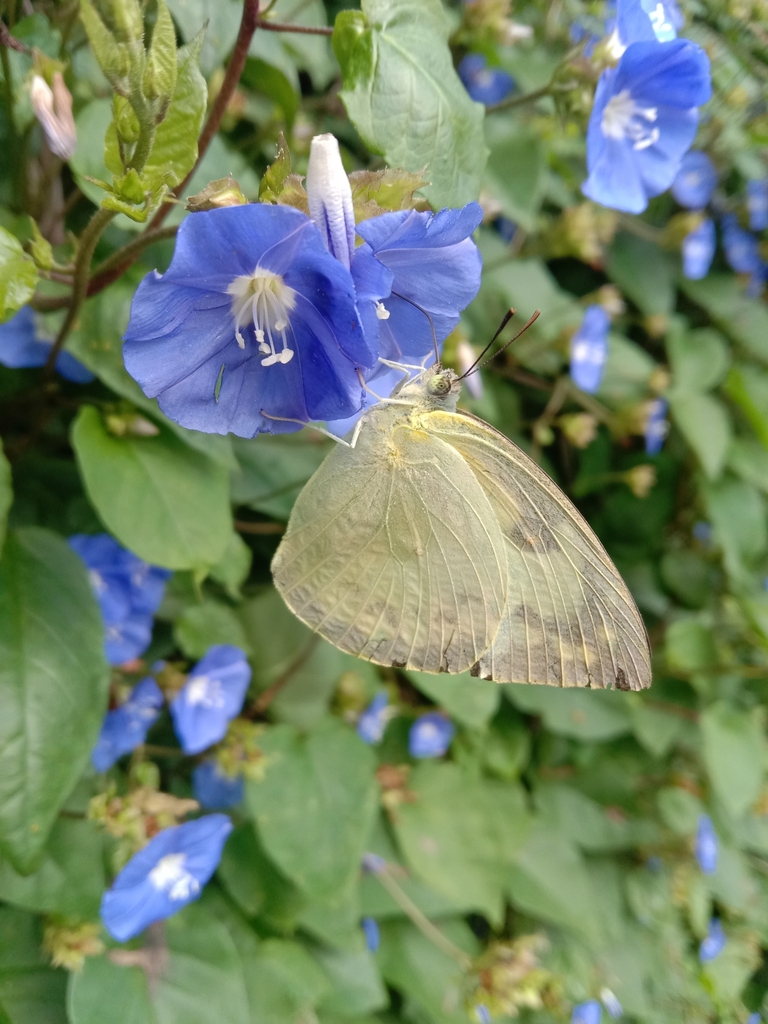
x=624 y=119
x=661 y=27
x=169 y=875
x=97 y=582
x=586 y=352
x=264 y=299
x=206 y=692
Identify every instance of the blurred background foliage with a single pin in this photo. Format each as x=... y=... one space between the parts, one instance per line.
x=553 y=847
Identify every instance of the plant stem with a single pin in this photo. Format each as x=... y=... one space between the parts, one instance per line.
x=307 y=30
x=259 y=528
x=132 y=249
x=10 y=42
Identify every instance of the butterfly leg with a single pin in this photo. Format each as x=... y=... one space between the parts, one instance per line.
x=321 y=430
x=380 y=398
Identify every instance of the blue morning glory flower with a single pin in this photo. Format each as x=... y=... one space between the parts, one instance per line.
x=435 y=265
x=505 y=228
x=643 y=121
x=699 y=250
x=165 y=876
x=706 y=847
x=714 y=943
x=579 y=32
x=656 y=426
x=430 y=735
x=611 y=1003
x=211 y=697
x=695 y=181
x=639 y=21
x=126 y=727
x=742 y=250
x=587 y=1013
x=484 y=85
x=371 y=932
x=373 y=721
x=213 y=788
x=254 y=318
x=589 y=349
x=21 y=347
x=483 y=1014
x=757 y=204
x=754 y=1018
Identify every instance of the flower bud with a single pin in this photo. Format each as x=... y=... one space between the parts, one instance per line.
x=579 y=427
x=68 y=944
x=330 y=198
x=641 y=480
x=222 y=192
x=53 y=109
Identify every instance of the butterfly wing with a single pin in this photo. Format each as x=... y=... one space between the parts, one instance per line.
x=570 y=618
x=393 y=552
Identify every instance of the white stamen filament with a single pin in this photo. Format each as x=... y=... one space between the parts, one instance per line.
x=204 y=691
x=265 y=300
x=623 y=119
x=171 y=876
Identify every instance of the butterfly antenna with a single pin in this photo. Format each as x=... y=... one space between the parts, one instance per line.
x=478 y=365
x=431 y=323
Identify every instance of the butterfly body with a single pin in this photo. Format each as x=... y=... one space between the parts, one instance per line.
x=435 y=544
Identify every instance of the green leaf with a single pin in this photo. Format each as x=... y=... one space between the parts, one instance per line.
x=6 y=493
x=689 y=576
x=276 y=173
x=733 y=754
x=255 y=884
x=584 y=714
x=405 y=99
x=273 y=83
x=53 y=686
x=461 y=834
x=102 y=984
x=292 y=53
x=627 y=371
x=375 y=192
x=689 y=646
x=113 y=56
x=357 y=985
x=515 y=175
x=699 y=359
x=586 y=823
x=162 y=500
x=743 y=319
x=201 y=625
x=18 y=275
x=748 y=387
x=749 y=460
x=705 y=423
x=273 y=469
x=644 y=272
x=460 y=696
x=315 y=807
x=30 y=992
x=160 y=74
x=221 y=21
x=679 y=809
x=285 y=983
x=737 y=512
x=233 y=569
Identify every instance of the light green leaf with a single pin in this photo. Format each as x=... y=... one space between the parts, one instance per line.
x=221 y=21
x=586 y=823
x=699 y=359
x=644 y=272
x=584 y=714
x=689 y=576
x=705 y=423
x=656 y=730
x=515 y=175
x=273 y=469
x=689 y=646
x=357 y=985
x=285 y=983
x=160 y=74
x=460 y=695
x=405 y=99
x=290 y=52
x=737 y=512
x=6 y=493
x=728 y=973
x=749 y=460
x=315 y=807
x=233 y=569
x=162 y=500
x=748 y=387
x=255 y=884
x=103 y=984
x=627 y=371
x=18 y=275
x=679 y=809
x=733 y=754
x=201 y=625
x=743 y=319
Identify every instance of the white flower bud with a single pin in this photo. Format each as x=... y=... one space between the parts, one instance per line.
x=330 y=198
x=53 y=109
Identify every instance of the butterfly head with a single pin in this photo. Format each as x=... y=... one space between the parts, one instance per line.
x=440 y=386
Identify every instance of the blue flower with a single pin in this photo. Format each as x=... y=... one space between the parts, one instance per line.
x=430 y=735
x=371 y=932
x=639 y=21
x=643 y=121
x=699 y=250
x=589 y=349
x=656 y=426
x=754 y=1018
x=702 y=531
x=611 y=1003
x=483 y=1014
x=757 y=204
x=505 y=228
x=580 y=32
x=587 y=1013
x=435 y=267
x=21 y=347
x=129 y=592
x=695 y=181
x=706 y=847
x=742 y=250
x=373 y=863
x=165 y=876
x=254 y=314
x=484 y=85
x=126 y=727
x=212 y=788
x=211 y=697
x=373 y=721
x=714 y=944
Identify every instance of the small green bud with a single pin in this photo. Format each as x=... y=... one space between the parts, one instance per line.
x=40 y=248
x=222 y=192
x=130 y=424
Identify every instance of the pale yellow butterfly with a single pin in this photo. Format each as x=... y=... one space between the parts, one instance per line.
x=432 y=542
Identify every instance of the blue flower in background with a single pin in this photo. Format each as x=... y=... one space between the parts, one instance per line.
x=371 y=932
x=589 y=349
x=643 y=121
x=373 y=721
x=373 y=863
x=484 y=85
x=213 y=788
x=714 y=944
x=702 y=531
x=706 y=847
x=695 y=181
x=483 y=1014
x=581 y=32
x=754 y=1018
x=742 y=250
x=211 y=697
x=129 y=592
x=699 y=250
x=21 y=348
x=430 y=735
x=611 y=1003
x=126 y=727
x=757 y=204
x=254 y=313
x=656 y=426
x=505 y=228
x=587 y=1013
x=641 y=21
x=165 y=876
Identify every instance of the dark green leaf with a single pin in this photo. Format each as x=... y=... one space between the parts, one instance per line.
x=705 y=423
x=699 y=359
x=103 y=984
x=644 y=272
x=585 y=714
x=357 y=986
x=469 y=700
x=743 y=319
x=201 y=625
x=515 y=175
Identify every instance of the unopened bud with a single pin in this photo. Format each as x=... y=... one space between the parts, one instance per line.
x=656 y=324
x=130 y=425
x=68 y=943
x=219 y=193
x=579 y=427
x=641 y=480
x=659 y=380
x=330 y=198
x=53 y=109
x=610 y=298
x=543 y=434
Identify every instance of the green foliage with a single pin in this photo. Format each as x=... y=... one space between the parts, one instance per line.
x=18 y=275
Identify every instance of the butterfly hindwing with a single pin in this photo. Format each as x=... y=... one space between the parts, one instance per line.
x=570 y=619
x=393 y=552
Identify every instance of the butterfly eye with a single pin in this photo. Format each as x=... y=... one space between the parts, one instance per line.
x=440 y=384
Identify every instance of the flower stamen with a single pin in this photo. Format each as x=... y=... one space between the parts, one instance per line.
x=623 y=119
x=265 y=300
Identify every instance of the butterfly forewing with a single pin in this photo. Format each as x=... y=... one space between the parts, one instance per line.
x=393 y=552
x=570 y=619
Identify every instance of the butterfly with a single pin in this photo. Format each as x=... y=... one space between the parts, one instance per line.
x=432 y=542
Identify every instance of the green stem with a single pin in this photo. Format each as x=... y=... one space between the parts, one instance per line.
x=132 y=249
x=12 y=130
